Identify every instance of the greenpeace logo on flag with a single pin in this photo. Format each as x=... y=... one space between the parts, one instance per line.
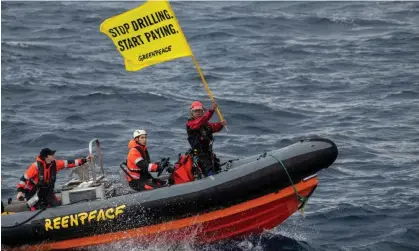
x=154 y=53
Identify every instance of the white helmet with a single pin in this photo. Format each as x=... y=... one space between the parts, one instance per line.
x=139 y=132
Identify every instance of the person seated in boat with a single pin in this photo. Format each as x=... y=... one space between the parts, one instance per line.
x=139 y=164
x=200 y=136
x=39 y=179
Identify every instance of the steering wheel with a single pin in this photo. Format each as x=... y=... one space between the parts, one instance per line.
x=165 y=165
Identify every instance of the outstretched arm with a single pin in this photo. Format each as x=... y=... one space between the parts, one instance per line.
x=61 y=164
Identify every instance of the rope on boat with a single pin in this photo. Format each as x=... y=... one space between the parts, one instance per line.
x=300 y=198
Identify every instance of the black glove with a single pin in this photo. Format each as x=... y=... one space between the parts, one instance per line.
x=163 y=164
x=83 y=161
x=170 y=169
x=160 y=168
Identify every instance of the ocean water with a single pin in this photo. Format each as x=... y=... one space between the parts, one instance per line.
x=280 y=71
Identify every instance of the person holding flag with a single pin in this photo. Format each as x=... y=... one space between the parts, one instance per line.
x=200 y=136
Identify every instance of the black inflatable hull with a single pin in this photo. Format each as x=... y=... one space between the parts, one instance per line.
x=245 y=180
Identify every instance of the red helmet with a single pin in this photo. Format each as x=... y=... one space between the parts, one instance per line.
x=196 y=105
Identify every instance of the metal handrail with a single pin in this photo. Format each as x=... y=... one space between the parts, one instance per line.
x=93 y=160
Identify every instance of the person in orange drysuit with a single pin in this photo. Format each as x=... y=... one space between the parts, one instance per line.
x=40 y=178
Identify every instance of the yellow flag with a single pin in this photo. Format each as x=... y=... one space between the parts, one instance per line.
x=147 y=35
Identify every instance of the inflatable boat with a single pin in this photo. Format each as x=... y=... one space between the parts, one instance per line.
x=249 y=195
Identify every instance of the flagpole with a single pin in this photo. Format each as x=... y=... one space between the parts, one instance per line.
x=199 y=69
x=206 y=86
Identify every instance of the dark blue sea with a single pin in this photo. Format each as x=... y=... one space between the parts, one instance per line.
x=280 y=71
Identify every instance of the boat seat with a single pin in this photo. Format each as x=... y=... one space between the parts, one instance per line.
x=16 y=206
